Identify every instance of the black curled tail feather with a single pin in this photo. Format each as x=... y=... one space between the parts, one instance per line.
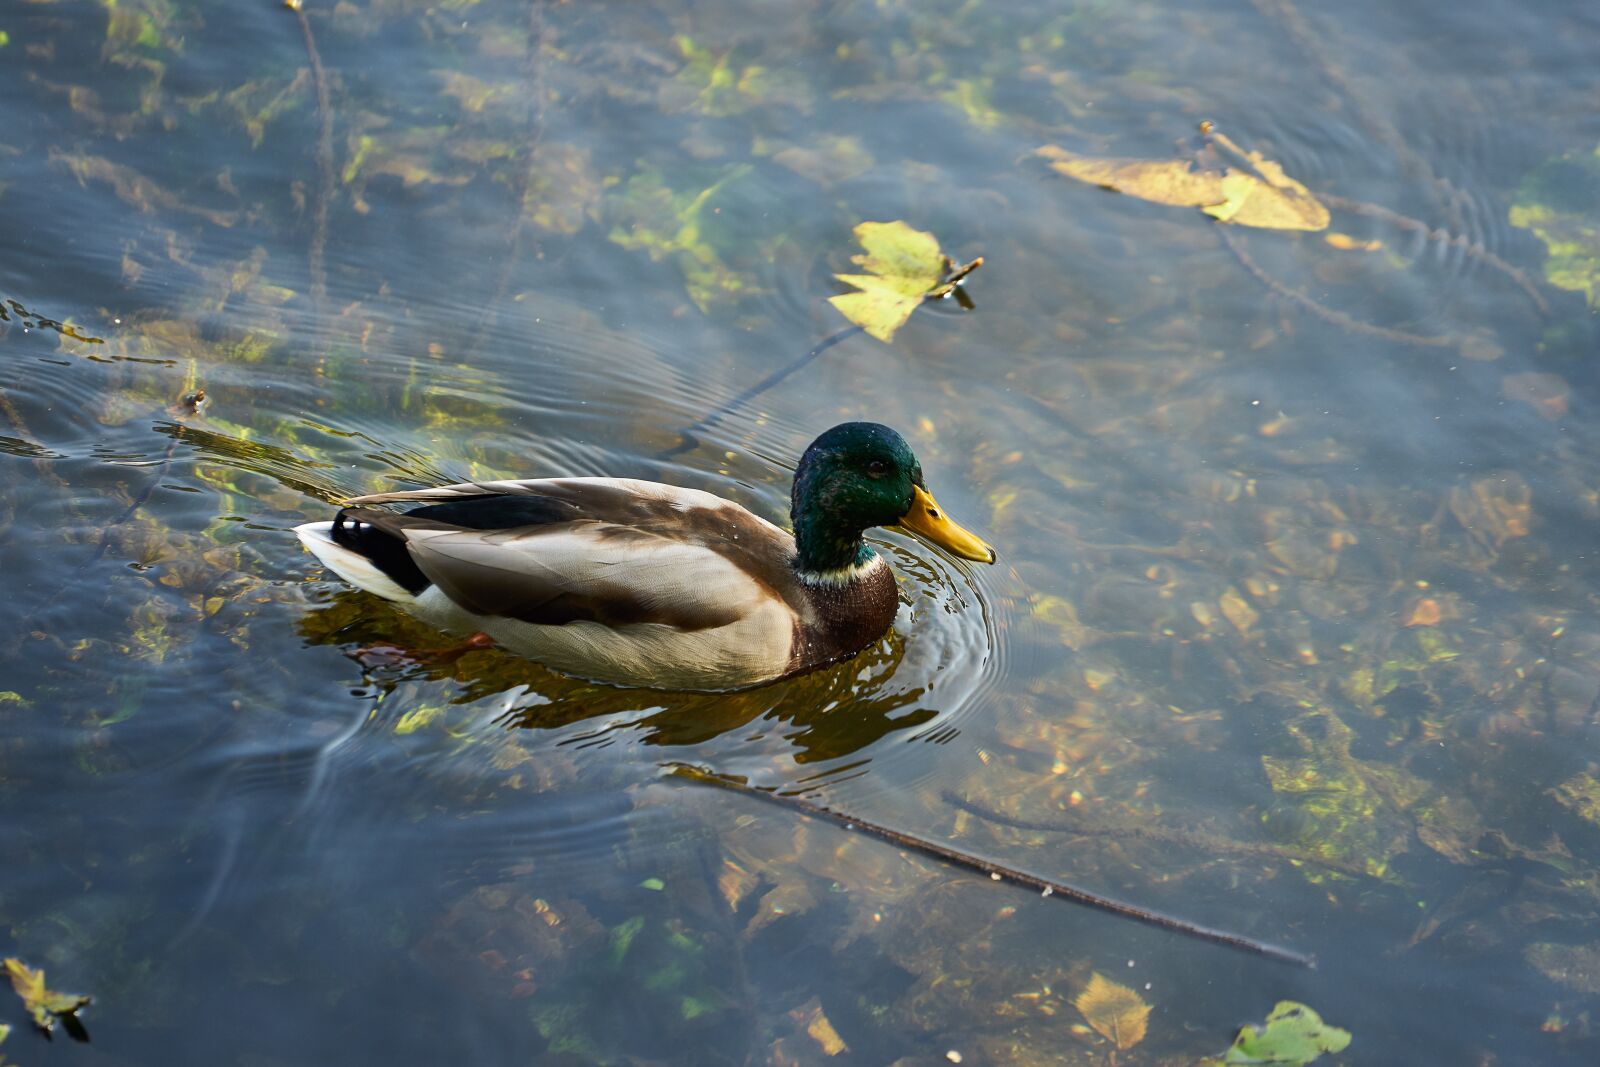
x=354 y=529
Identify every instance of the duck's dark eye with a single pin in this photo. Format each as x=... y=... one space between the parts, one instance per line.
x=877 y=467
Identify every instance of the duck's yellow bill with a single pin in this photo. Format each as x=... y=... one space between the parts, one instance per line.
x=927 y=520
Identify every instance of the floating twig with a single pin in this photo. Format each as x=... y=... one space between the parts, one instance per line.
x=999 y=871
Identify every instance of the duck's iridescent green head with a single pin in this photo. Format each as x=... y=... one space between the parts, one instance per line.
x=856 y=476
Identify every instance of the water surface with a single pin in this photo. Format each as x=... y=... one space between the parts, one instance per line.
x=1294 y=631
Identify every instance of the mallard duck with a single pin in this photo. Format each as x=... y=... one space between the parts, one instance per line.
x=645 y=584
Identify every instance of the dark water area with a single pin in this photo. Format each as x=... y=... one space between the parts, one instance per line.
x=1295 y=630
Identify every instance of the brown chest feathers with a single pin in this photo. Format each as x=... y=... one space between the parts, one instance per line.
x=845 y=618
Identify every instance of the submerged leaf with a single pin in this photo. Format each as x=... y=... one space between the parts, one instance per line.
x=904 y=267
x=1547 y=394
x=1336 y=806
x=43 y=1004
x=1116 y=1012
x=1581 y=795
x=811 y=1016
x=1293 y=1036
x=664 y=222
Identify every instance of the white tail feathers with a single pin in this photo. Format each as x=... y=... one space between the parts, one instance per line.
x=350 y=565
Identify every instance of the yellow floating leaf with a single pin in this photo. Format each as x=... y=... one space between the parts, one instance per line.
x=1161 y=181
x=1253 y=202
x=1116 y=1012
x=878 y=311
x=904 y=266
x=42 y=1003
x=1256 y=193
x=1260 y=194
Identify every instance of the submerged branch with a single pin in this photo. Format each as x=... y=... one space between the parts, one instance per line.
x=1470 y=249
x=997 y=871
x=1322 y=311
x=1200 y=841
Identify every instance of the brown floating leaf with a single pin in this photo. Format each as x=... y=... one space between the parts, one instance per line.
x=42 y=1003
x=1255 y=193
x=1161 y=181
x=1268 y=197
x=1115 y=1011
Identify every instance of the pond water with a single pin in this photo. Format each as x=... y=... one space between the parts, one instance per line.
x=1294 y=631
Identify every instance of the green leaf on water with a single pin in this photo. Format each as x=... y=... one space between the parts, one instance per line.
x=904 y=267
x=43 y=1004
x=1293 y=1036
x=653 y=883
x=1557 y=202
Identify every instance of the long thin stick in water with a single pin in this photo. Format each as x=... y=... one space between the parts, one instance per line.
x=1000 y=871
